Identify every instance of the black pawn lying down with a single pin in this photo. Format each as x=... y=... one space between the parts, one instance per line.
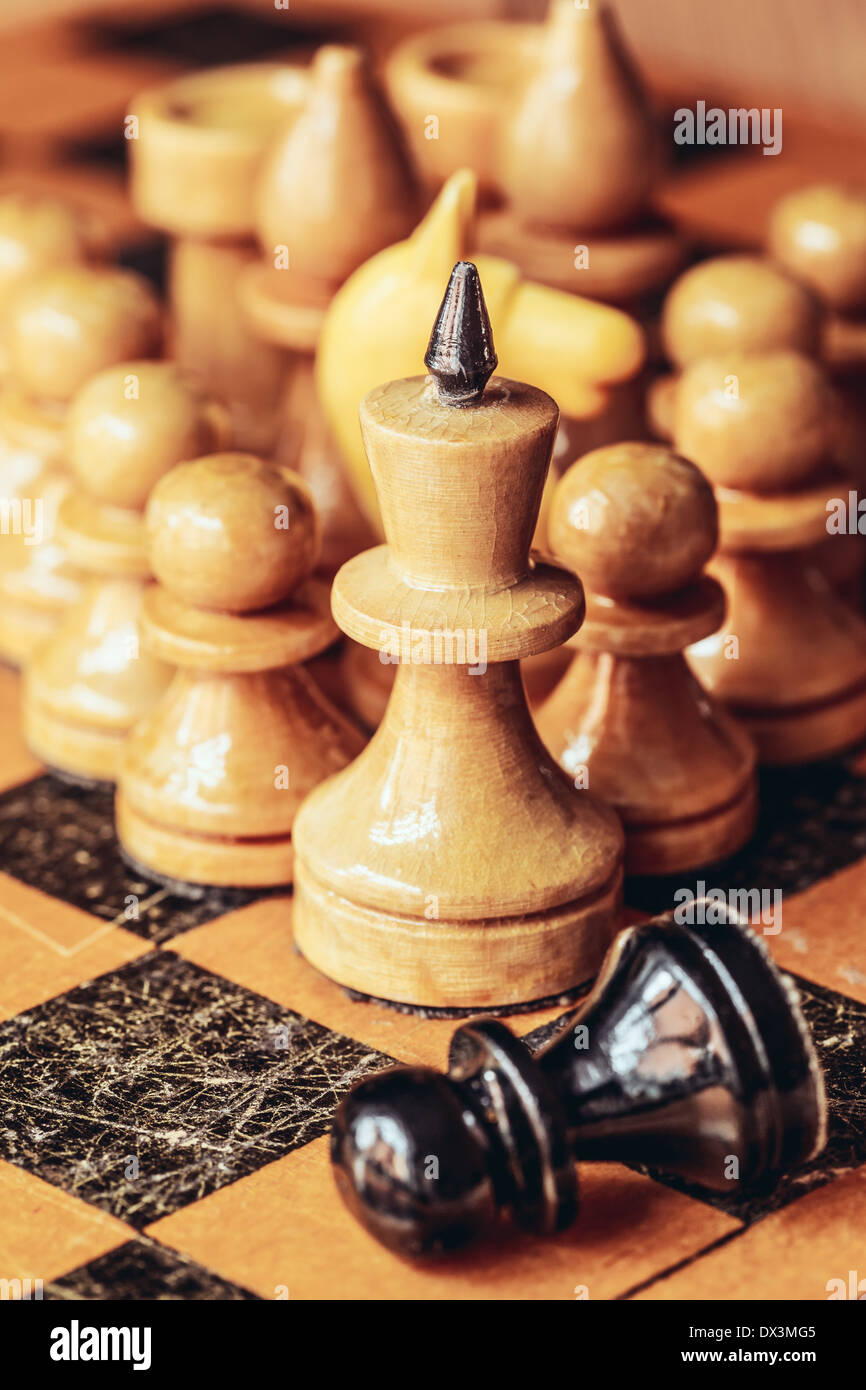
x=690 y=1055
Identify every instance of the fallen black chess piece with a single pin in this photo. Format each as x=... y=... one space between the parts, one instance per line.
x=690 y=1055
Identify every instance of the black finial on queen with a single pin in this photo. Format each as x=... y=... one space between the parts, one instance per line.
x=460 y=356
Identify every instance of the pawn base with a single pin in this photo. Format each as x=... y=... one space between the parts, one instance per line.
x=653 y=850
x=621 y=267
x=87 y=754
x=23 y=628
x=784 y=738
x=456 y=964
x=205 y=860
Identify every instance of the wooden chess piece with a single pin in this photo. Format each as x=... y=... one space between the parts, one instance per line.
x=580 y=158
x=91 y=681
x=200 y=145
x=211 y=778
x=692 y=1049
x=629 y=719
x=819 y=235
x=554 y=121
x=336 y=188
x=62 y=326
x=450 y=86
x=791 y=660
x=746 y=304
x=39 y=233
x=441 y=887
x=373 y=330
x=733 y=303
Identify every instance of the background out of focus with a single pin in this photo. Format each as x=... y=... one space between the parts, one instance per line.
x=795 y=51
x=68 y=69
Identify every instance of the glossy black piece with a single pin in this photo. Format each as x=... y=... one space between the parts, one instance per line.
x=460 y=355
x=691 y=1055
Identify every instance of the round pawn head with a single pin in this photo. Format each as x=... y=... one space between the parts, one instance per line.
x=67 y=324
x=131 y=423
x=819 y=235
x=460 y=356
x=737 y=304
x=231 y=532
x=411 y=1164
x=758 y=424
x=634 y=521
x=36 y=234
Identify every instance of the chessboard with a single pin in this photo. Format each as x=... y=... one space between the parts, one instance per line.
x=169 y=1069
x=170 y=1066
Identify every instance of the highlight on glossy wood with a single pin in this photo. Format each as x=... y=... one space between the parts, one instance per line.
x=211 y=778
x=421 y=897
x=819 y=234
x=791 y=660
x=61 y=326
x=628 y=718
x=92 y=680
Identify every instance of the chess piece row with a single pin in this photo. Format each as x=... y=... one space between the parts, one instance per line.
x=192 y=803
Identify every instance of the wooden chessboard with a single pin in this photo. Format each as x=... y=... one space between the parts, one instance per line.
x=169 y=1067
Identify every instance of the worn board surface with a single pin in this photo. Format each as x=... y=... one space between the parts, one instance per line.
x=169 y=1068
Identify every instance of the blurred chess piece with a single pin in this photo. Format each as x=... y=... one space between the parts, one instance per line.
x=212 y=777
x=200 y=146
x=40 y=233
x=819 y=235
x=554 y=120
x=628 y=719
x=374 y=330
x=581 y=156
x=61 y=326
x=336 y=188
x=790 y=661
x=91 y=681
x=745 y=304
x=730 y=304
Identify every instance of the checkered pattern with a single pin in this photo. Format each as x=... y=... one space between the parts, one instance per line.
x=167 y=1081
x=169 y=1066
